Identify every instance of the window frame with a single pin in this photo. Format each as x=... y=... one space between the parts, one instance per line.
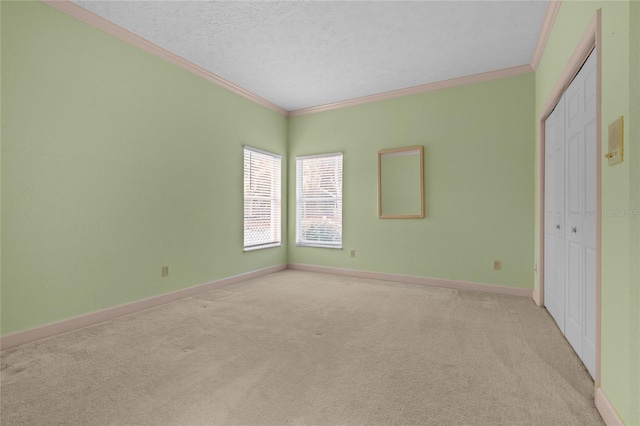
x=299 y=241
x=277 y=158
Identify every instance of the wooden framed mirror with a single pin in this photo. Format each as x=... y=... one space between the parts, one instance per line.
x=401 y=183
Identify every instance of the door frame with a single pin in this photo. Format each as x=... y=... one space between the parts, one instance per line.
x=591 y=39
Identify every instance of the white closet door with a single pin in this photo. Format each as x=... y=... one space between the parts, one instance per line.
x=570 y=256
x=589 y=215
x=580 y=213
x=554 y=214
x=574 y=308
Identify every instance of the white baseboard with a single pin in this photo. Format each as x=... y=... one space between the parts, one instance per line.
x=435 y=282
x=48 y=330
x=606 y=410
x=64 y=326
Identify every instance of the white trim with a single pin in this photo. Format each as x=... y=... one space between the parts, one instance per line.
x=262 y=151
x=429 y=87
x=318 y=245
x=606 y=410
x=262 y=246
x=411 y=279
x=107 y=314
x=591 y=38
x=268 y=167
x=71 y=9
x=96 y=317
x=110 y=28
x=338 y=158
x=330 y=154
x=545 y=31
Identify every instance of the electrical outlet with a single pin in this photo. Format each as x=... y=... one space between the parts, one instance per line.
x=496 y=265
x=353 y=253
x=165 y=271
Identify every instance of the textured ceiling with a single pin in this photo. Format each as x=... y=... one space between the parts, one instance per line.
x=308 y=53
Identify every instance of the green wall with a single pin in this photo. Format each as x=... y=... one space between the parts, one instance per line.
x=633 y=146
x=115 y=163
x=619 y=296
x=479 y=183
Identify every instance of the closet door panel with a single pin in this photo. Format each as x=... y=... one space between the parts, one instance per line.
x=589 y=217
x=570 y=213
x=574 y=306
x=554 y=215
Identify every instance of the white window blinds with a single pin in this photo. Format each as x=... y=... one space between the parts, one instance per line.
x=262 y=199
x=319 y=200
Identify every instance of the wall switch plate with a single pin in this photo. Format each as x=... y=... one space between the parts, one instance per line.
x=496 y=265
x=165 y=271
x=353 y=253
x=615 y=151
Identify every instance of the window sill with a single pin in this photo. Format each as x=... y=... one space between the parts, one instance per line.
x=318 y=246
x=266 y=246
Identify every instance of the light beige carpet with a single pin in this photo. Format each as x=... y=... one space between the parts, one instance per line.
x=308 y=349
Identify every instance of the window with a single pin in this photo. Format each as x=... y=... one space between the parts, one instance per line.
x=261 y=199
x=319 y=200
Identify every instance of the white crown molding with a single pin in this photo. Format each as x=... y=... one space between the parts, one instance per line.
x=545 y=31
x=70 y=324
x=108 y=27
x=412 y=279
x=102 y=24
x=423 y=88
